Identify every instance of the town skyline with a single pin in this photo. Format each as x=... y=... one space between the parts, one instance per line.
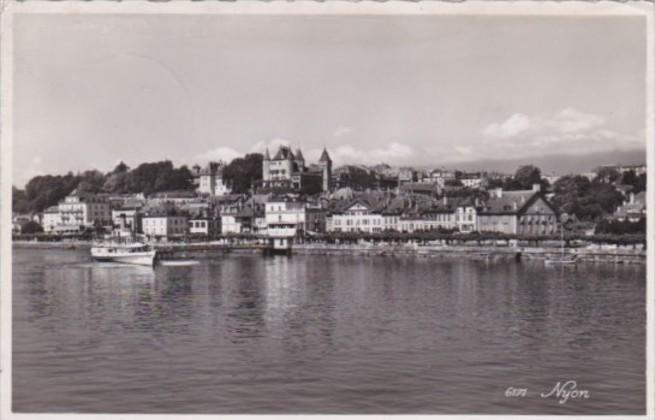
x=555 y=164
x=218 y=87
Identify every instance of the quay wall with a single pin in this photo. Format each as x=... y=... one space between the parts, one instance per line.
x=611 y=254
x=617 y=255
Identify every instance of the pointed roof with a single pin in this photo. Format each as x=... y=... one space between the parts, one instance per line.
x=267 y=156
x=324 y=156
x=284 y=153
x=299 y=155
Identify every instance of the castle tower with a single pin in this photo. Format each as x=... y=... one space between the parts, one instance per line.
x=326 y=169
x=266 y=166
x=300 y=160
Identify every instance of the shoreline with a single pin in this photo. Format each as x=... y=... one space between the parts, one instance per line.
x=614 y=254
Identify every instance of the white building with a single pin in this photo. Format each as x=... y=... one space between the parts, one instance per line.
x=286 y=212
x=51 y=219
x=358 y=217
x=80 y=210
x=430 y=220
x=211 y=181
x=465 y=218
x=164 y=225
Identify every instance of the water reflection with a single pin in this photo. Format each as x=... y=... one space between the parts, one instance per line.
x=247 y=334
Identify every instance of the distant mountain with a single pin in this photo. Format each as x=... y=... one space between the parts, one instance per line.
x=557 y=163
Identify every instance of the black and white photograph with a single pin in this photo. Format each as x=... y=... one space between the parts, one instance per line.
x=326 y=208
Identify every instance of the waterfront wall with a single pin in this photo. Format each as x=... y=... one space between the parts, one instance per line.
x=612 y=255
x=604 y=254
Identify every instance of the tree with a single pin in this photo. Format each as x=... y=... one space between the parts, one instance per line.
x=153 y=177
x=20 y=203
x=121 y=168
x=453 y=183
x=90 y=182
x=621 y=227
x=575 y=194
x=357 y=178
x=526 y=176
x=31 y=227
x=243 y=172
x=44 y=191
x=607 y=175
x=117 y=183
x=638 y=183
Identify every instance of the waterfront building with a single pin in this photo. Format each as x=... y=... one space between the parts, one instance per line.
x=288 y=171
x=315 y=219
x=286 y=211
x=525 y=212
x=82 y=210
x=243 y=216
x=51 y=219
x=165 y=223
x=285 y=220
x=202 y=223
x=18 y=221
x=359 y=216
x=466 y=218
x=428 y=221
x=633 y=209
x=126 y=220
x=210 y=180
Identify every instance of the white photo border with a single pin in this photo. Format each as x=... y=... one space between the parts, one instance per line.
x=11 y=8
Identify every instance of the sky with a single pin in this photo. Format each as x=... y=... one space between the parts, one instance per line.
x=93 y=90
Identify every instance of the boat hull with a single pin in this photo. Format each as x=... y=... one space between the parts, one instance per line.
x=134 y=258
x=569 y=261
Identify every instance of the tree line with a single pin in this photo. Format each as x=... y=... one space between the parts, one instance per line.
x=44 y=191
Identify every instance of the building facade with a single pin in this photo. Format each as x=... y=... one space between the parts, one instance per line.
x=288 y=170
x=210 y=180
x=525 y=212
x=79 y=210
x=358 y=217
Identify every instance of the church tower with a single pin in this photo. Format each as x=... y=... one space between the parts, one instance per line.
x=326 y=169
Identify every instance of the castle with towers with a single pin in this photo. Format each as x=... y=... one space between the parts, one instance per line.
x=288 y=170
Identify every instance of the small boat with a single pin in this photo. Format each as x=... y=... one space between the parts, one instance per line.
x=127 y=253
x=561 y=259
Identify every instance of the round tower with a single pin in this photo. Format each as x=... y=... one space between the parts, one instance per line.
x=266 y=166
x=326 y=169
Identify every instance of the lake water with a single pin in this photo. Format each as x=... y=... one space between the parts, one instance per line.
x=324 y=334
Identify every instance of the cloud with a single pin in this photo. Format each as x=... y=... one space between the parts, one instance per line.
x=394 y=153
x=514 y=125
x=225 y=154
x=464 y=150
x=34 y=168
x=569 y=131
x=342 y=131
x=272 y=145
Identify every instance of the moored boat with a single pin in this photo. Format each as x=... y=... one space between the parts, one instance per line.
x=561 y=259
x=127 y=253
